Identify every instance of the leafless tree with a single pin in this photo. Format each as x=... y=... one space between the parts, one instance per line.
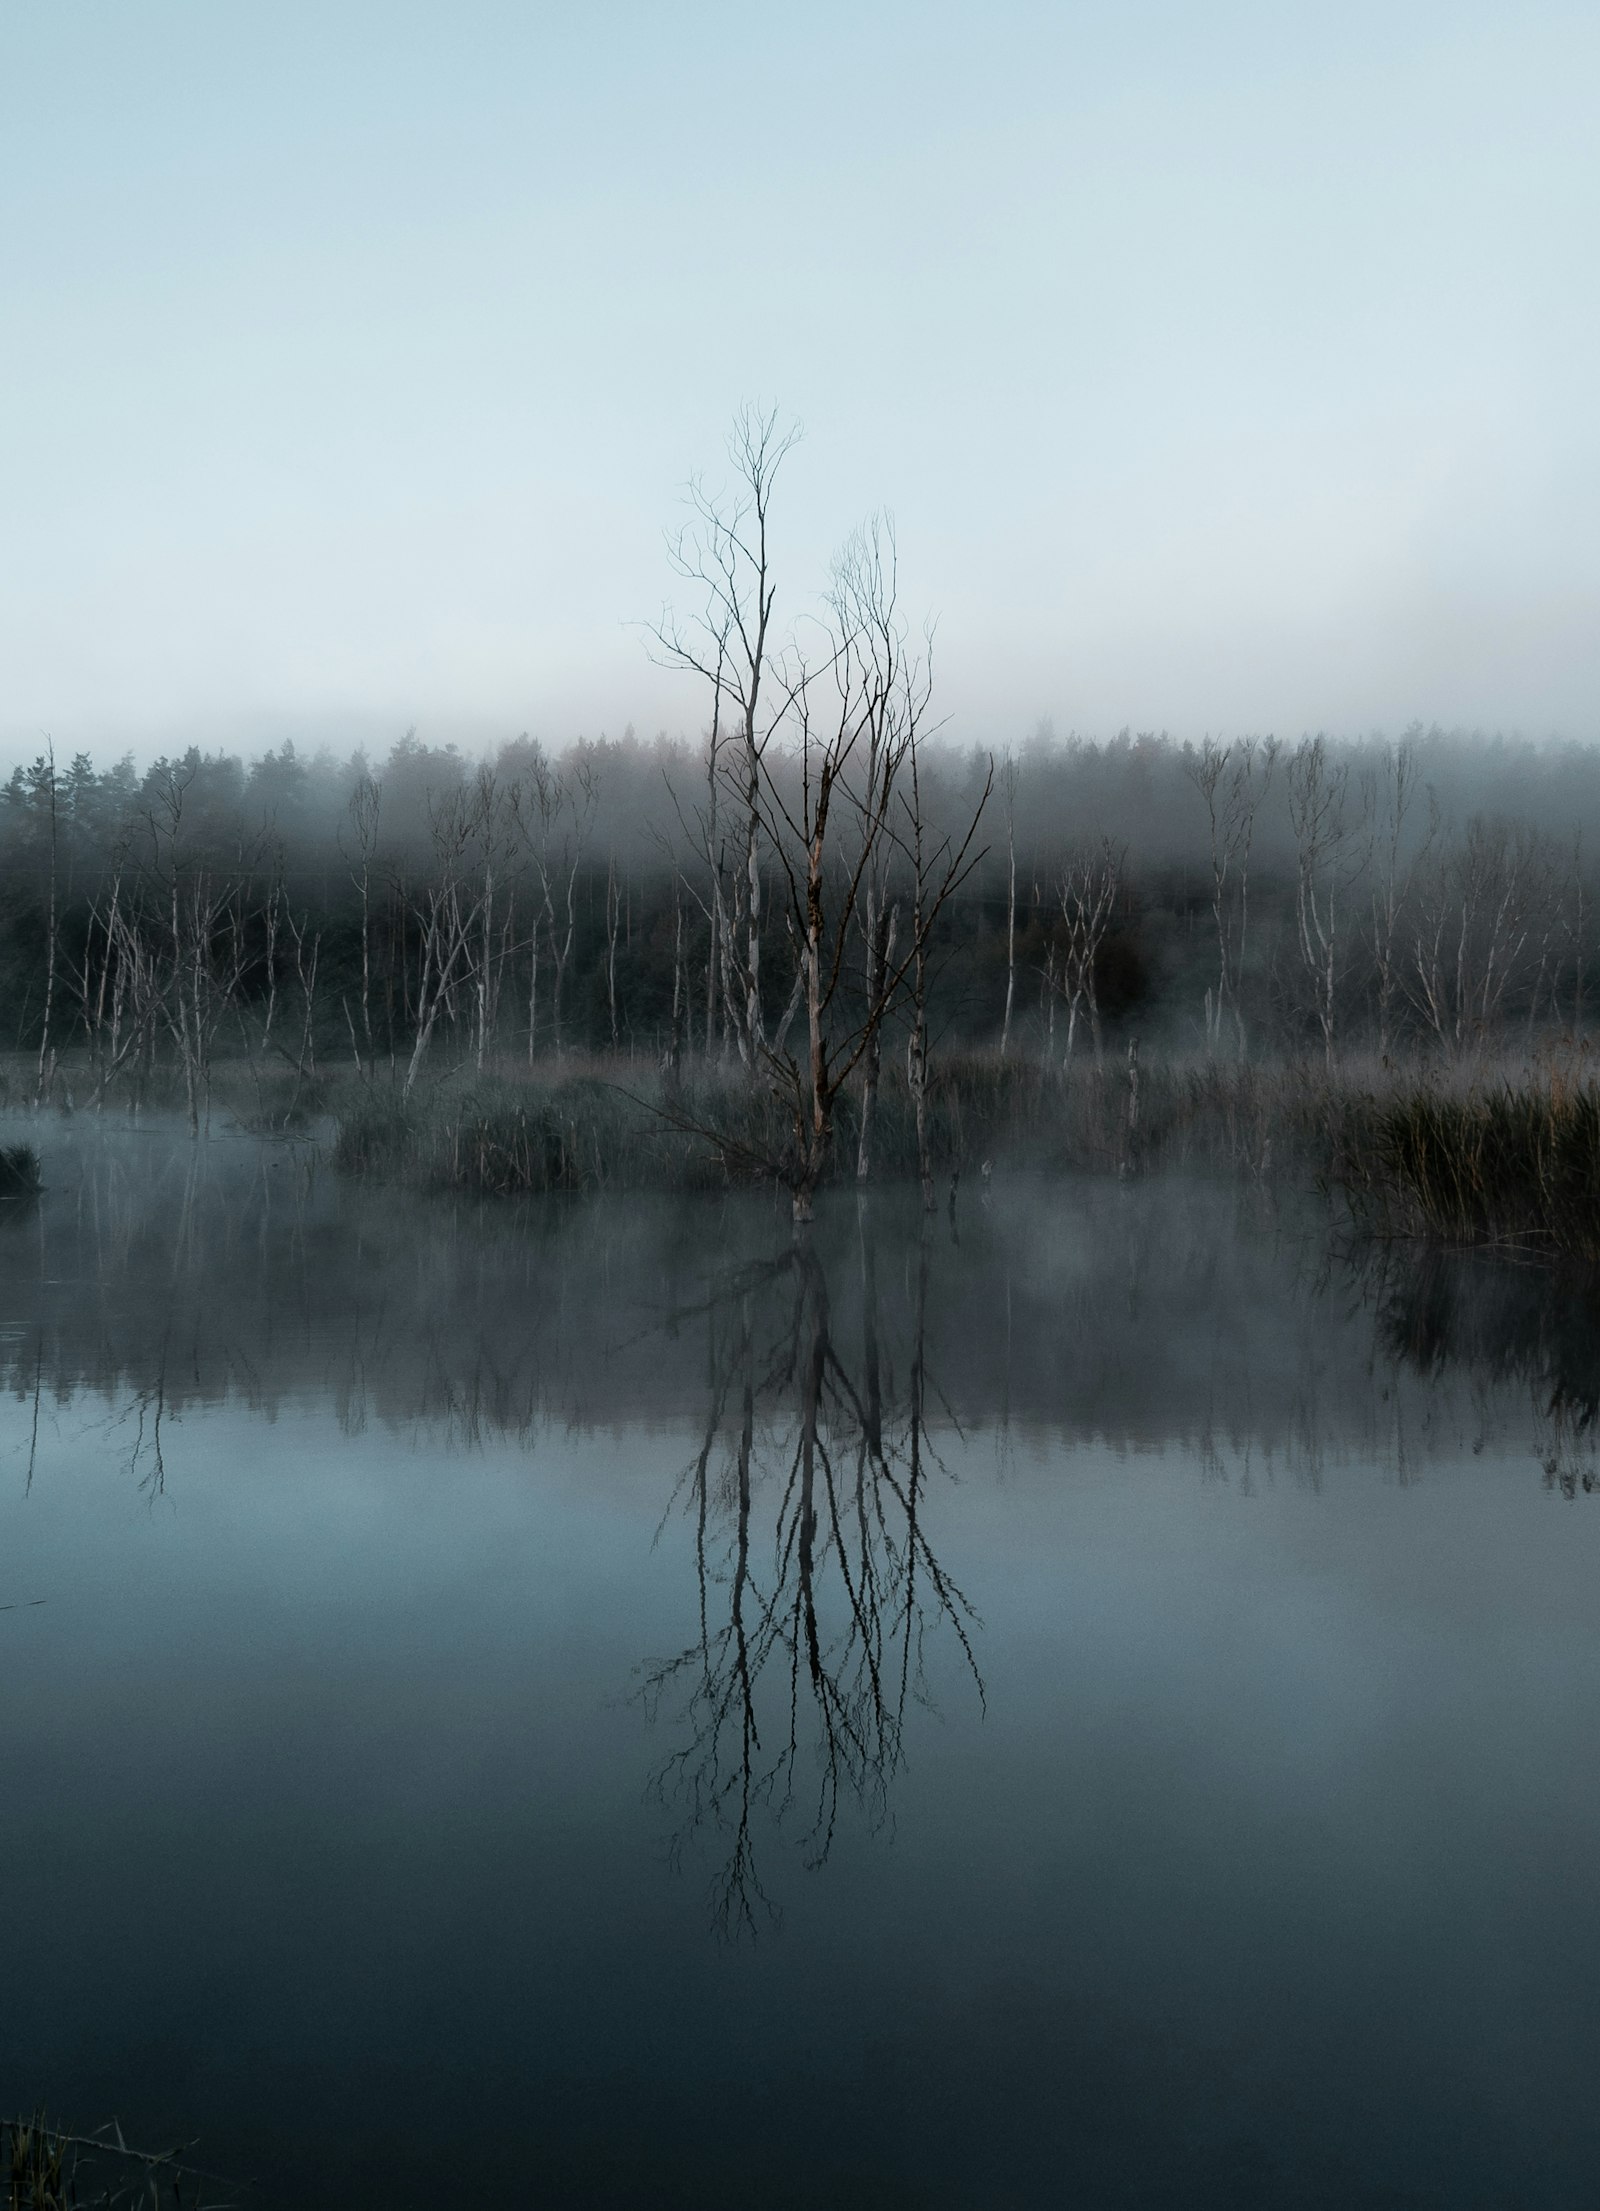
x=1390 y=799
x=893 y=696
x=1008 y=784
x=553 y=815
x=833 y=831
x=447 y=914
x=727 y=640
x=53 y=931
x=1328 y=854
x=613 y=929
x=366 y=812
x=1232 y=780
x=1087 y=891
x=1479 y=909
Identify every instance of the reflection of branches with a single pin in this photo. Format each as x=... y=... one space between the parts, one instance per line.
x=819 y=1641
x=149 y=1409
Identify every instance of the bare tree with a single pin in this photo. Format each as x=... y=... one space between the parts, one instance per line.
x=366 y=810
x=493 y=831
x=1008 y=784
x=832 y=832
x=1232 y=781
x=723 y=552
x=1390 y=802
x=1479 y=908
x=1327 y=856
x=1087 y=890
x=553 y=815
x=447 y=914
x=193 y=959
x=613 y=927
x=865 y=601
x=53 y=930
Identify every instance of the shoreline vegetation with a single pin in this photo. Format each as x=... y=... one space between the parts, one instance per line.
x=1504 y=1155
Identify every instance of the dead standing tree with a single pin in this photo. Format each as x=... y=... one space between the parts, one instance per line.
x=1008 y=783
x=1479 y=909
x=552 y=815
x=494 y=826
x=723 y=552
x=447 y=914
x=192 y=959
x=818 y=746
x=1232 y=781
x=893 y=696
x=853 y=813
x=1389 y=798
x=1087 y=891
x=1329 y=855
x=366 y=812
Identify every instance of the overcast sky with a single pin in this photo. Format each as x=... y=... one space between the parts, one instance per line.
x=1225 y=366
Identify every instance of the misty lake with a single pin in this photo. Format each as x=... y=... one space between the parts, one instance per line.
x=1093 y=1700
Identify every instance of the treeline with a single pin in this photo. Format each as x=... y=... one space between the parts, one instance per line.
x=432 y=908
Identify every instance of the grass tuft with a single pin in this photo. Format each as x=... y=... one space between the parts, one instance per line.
x=19 y=1171
x=1508 y=1164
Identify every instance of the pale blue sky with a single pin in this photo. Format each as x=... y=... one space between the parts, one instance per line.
x=1225 y=366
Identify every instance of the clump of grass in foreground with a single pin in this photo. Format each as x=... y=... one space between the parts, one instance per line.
x=45 y=2168
x=1513 y=1164
x=19 y=1171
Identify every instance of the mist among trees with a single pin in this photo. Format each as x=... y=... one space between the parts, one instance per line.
x=819 y=894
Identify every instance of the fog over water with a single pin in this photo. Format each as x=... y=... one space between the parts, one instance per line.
x=896 y=1717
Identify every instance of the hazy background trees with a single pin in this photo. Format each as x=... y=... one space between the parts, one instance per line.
x=390 y=915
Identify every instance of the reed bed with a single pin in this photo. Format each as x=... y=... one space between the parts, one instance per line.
x=1463 y=1153
x=1507 y=1163
x=511 y=1134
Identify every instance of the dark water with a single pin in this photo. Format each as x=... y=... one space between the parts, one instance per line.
x=1092 y=1704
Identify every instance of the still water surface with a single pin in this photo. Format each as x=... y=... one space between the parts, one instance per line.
x=1092 y=1703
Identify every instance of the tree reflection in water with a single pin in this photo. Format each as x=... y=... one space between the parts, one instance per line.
x=818 y=1584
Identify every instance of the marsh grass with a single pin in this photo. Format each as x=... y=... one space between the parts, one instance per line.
x=19 y=1171
x=1512 y=1163
x=1465 y=1153
x=47 y=2168
x=593 y=1129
